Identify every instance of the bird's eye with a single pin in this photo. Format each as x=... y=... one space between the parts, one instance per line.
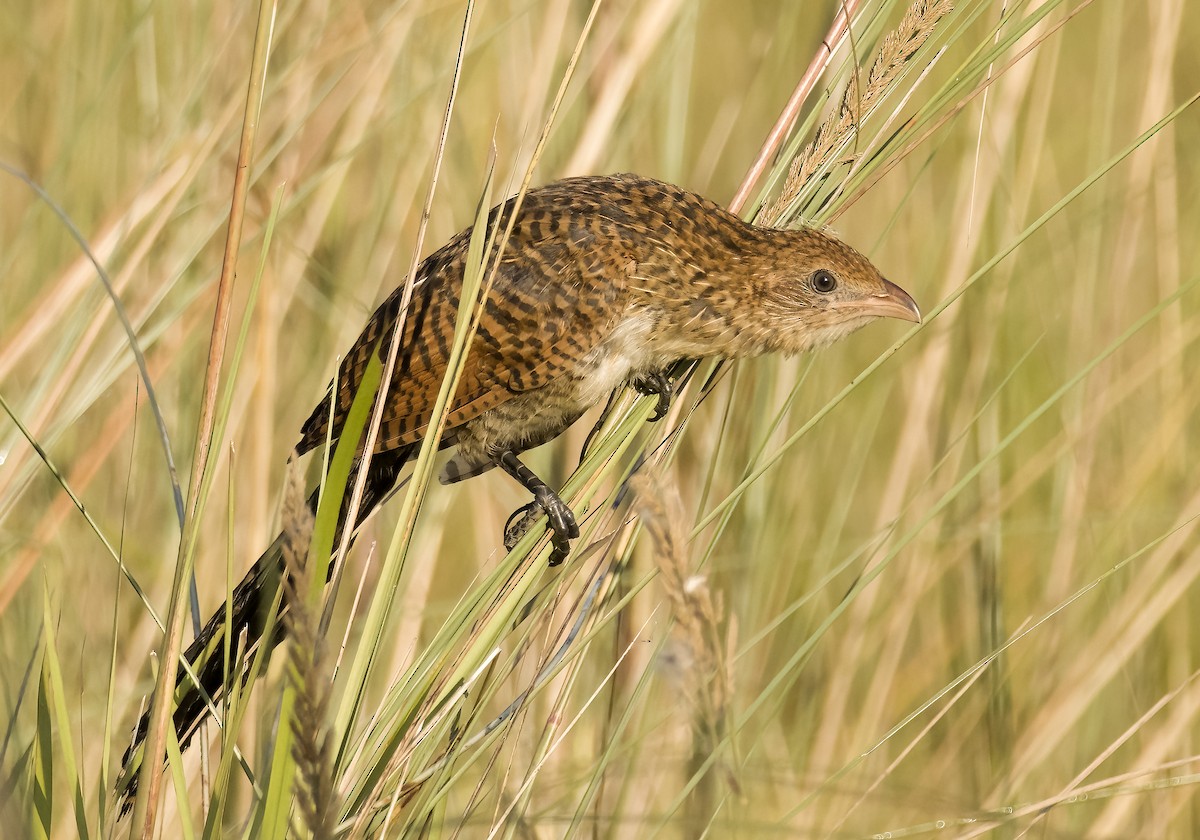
x=823 y=282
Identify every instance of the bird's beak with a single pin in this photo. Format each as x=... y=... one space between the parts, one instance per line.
x=894 y=302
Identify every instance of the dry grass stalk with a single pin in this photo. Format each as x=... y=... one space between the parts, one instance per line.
x=145 y=810
x=841 y=126
x=311 y=746
x=697 y=610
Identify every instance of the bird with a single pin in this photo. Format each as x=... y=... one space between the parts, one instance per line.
x=603 y=282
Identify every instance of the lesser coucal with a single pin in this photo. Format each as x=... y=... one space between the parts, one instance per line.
x=604 y=281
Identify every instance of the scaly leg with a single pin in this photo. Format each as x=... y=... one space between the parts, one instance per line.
x=587 y=441
x=562 y=520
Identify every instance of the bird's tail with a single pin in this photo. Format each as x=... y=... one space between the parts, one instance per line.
x=241 y=624
x=195 y=698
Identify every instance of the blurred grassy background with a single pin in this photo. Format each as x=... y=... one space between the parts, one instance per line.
x=127 y=114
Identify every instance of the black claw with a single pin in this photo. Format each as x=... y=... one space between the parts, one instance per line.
x=561 y=517
x=562 y=522
x=658 y=384
x=563 y=526
x=518 y=524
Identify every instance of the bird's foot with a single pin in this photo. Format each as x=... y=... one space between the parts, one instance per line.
x=519 y=523
x=656 y=383
x=561 y=522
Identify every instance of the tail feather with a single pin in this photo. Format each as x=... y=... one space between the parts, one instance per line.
x=196 y=698
x=251 y=602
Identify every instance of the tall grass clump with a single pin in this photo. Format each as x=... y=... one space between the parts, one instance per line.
x=934 y=582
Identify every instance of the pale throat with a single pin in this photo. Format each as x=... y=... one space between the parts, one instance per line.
x=644 y=341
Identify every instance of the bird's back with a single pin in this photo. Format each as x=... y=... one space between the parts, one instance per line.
x=562 y=285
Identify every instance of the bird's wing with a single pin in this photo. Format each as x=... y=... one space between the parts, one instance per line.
x=550 y=304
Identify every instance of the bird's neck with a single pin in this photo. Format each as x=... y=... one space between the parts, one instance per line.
x=698 y=299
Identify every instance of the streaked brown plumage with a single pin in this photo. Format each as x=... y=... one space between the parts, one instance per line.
x=604 y=281
x=603 y=278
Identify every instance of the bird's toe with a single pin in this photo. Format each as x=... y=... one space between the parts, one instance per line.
x=656 y=384
x=519 y=523
x=563 y=526
x=562 y=520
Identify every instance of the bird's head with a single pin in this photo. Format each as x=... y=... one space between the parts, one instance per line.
x=808 y=289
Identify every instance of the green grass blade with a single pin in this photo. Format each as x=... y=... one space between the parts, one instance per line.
x=59 y=718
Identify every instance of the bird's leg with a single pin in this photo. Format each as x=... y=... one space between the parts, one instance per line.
x=655 y=383
x=562 y=521
x=587 y=441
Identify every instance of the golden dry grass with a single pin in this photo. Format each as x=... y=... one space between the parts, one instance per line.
x=957 y=604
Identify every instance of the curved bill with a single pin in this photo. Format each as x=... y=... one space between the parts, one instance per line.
x=892 y=303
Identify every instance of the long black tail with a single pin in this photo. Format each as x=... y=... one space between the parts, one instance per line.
x=251 y=603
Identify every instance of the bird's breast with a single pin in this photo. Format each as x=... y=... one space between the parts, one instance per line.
x=610 y=363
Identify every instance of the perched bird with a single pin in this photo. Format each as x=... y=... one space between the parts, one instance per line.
x=604 y=282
